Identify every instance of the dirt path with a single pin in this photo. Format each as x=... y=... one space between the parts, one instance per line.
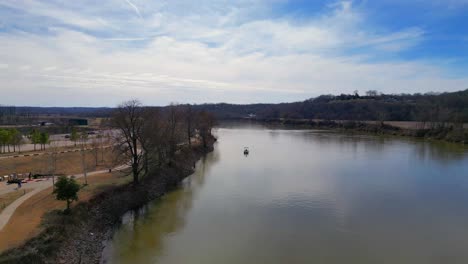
x=6 y=214
x=7 y=198
x=25 y=221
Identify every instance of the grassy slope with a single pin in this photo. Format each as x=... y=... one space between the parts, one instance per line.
x=25 y=222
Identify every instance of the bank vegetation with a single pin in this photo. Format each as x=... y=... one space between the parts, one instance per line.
x=160 y=148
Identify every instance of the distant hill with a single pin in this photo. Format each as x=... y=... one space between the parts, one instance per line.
x=445 y=107
x=431 y=107
x=60 y=111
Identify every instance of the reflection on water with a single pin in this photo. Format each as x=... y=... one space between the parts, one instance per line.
x=142 y=240
x=308 y=197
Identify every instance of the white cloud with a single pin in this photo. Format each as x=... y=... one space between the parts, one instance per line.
x=43 y=9
x=134 y=7
x=210 y=53
x=25 y=67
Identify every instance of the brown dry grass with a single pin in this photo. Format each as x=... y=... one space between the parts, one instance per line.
x=25 y=222
x=67 y=163
x=38 y=150
x=10 y=197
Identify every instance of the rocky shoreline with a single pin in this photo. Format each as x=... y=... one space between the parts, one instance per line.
x=80 y=236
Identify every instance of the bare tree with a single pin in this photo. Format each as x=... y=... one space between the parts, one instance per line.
x=206 y=121
x=149 y=136
x=356 y=93
x=381 y=118
x=74 y=135
x=101 y=140
x=173 y=121
x=157 y=134
x=107 y=142
x=83 y=139
x=128 y=119
x=372 y=93
x=53 y=158
x=95 y=145
x=114 y=158
x=189 y=118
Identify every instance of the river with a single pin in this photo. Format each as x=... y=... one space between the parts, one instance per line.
x=307 y=196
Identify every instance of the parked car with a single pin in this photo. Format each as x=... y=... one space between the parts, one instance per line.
x=67 y=136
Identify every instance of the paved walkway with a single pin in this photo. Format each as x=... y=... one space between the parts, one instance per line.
x=7 y=188
x=7 y=213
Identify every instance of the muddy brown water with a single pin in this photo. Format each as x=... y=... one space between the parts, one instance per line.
x=304 y=196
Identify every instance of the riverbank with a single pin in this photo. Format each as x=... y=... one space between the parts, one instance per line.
x=79 y=237
x=443 y=132
x=29 y=214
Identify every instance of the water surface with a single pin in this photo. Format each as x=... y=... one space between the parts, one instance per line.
x=306 y=196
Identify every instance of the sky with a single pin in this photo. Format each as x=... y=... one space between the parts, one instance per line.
x=100 y=53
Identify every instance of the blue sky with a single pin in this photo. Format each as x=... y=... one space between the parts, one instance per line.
x=99 y=53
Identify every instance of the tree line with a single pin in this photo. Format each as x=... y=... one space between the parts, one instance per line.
x=368 y=105
x=149 y=137
x=39 y=138
x=372 y=105
x=10 y=140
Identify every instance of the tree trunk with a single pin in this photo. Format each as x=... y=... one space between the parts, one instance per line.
x=135 y=172
x=135 y=161
x=83 y=164
x=188 y=133
x=146 y=163
x=203 y=136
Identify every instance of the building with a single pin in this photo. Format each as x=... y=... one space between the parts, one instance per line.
x=78 y=122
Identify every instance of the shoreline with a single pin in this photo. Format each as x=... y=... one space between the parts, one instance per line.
x=448 y=133
x=80 y=237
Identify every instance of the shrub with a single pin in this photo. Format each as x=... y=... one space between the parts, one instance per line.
x=66 y=190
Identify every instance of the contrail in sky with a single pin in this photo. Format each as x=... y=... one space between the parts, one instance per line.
x=134 y=7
